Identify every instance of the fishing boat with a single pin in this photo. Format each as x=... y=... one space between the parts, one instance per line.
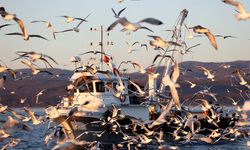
x=94 y=94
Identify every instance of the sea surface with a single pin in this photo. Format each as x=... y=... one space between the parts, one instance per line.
x=34 y=139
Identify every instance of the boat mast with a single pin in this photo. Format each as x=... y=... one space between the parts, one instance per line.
x=101 y=43
x=175 y=38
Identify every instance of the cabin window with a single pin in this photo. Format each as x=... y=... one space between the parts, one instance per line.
x=84 y=88
x=100 y=87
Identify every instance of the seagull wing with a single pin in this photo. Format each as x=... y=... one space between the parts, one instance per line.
x=36 y=21
x=176 y=72
x=84 y=19
x=33 y=69
x=137 y=87
x=31 y=114
x=119 y=13
x=21 y=25
x=174 y=93
x=5 y=25
x=146 y=29
x=114 y=12
x=135 y=43
x=39 y=36
x=203 y=69
x=51 y=58
x=152 y=21
x=46 y=61
x=157 y=38
x=238 y=5
x=212 y=40
x=14 y=33
x=192 y=47
x=123 y=21
x=64 y=31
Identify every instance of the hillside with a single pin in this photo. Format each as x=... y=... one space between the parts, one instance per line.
x=55 y=85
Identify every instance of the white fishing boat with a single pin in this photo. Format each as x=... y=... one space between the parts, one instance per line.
x=95 y=91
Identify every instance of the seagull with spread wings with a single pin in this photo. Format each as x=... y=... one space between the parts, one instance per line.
x=129 y=26
x=35 y=121
x=242 y=13
x=34 y=70
x=202 y=30
x=76 y=28
x=48 y=25
x=160 y=43
x=206 y=72
x=70 y=19
x=33 y=56
x=117 y=15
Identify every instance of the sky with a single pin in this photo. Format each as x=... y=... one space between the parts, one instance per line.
x=213 y=14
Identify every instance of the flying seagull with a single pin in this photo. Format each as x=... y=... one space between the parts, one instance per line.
x=160 y=43
x=242 y=13
x=76 y=28
x=225 y=36
x=33 y=56
x=117 y=15
x=48 y=25
x=34 y=70
x=206 y=72
x=27 y=36
x=202 y=30
x=129 y=26
x=70 y=19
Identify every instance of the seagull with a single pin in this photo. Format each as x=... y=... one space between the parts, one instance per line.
x=117 y=15
x=11 y=122
x=225 y=36
x=70 y=19
x=10 y=71
x=76 y=28
x=163 y=56
x=186 y=50
x=242 y=80
x=32 y=116
x=242 y=13
x=190 y=35
x=140 y=67
x=22 y=100
x=33 y=56
x=169 y=82
x=206 y=72
x=93 y=52
x=34 y=70
x=233 y=101
x=130 y=50
x=5 y=25
x=39 y=94
x=160 y=43
x=26 y=36
x=48 y=25
x=202 y=30
x=123 y=62
x=142 y=93
x=129 y=26
x=7 y=17
x=192 y=85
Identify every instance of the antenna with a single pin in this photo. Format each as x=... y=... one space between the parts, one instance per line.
x=101 y=43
